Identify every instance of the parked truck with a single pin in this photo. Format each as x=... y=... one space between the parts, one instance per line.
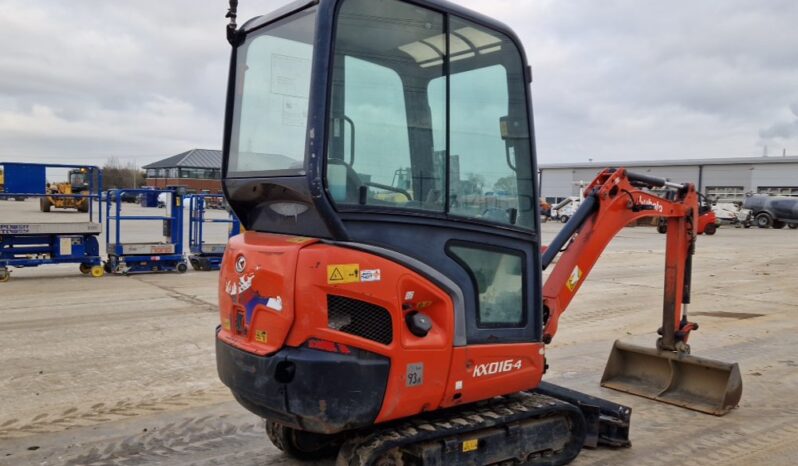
x=563 y=210
x=733 y=213
x=773 y=211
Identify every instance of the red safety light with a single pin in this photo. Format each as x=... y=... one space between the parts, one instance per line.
x=328 y=346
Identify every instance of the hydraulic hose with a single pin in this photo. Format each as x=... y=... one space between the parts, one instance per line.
x=574 y=224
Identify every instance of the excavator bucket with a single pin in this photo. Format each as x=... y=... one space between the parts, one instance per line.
x=692 y=382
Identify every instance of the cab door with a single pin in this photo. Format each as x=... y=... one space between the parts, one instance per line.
x=430 y=155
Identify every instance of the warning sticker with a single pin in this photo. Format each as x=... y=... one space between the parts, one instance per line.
x=470 y=445
x=370 y=275
x=338 y=274
x=573 y=280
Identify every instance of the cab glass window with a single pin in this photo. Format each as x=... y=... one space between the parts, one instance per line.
x=380 y=151
x=490 y=159
x=498 y=279
x=428 y=114
x=271 y=102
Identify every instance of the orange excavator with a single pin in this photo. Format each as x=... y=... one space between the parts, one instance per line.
x=407 y=323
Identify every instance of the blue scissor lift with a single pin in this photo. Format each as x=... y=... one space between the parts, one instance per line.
x=31 y=244
x=205 y=255
x=144 y=257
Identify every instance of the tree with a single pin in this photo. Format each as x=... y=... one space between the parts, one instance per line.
x=121 y=175
x=508 y=184
x=473 y=184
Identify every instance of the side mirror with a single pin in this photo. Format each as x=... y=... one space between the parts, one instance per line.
x=513 y=128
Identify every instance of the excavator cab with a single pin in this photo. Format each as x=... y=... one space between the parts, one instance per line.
x=417 y=113
x=383 y=122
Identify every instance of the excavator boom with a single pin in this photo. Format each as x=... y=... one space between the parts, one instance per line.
x=668 y=372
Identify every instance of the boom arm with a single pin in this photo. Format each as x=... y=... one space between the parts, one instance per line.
x=613 y=200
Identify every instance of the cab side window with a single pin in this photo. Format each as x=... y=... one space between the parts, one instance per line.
x=498 y=278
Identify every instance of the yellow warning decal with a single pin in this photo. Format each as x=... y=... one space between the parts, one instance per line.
x=226 y=324
x=338 y=274
x=298 y=239
x=574 y=278
x=470 y=445
x=261 y=336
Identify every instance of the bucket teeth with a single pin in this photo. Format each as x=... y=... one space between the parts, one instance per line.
x=692 y=382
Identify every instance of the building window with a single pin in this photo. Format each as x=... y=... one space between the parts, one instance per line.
x=725 y=193
x=200 y=173
x=791 y=191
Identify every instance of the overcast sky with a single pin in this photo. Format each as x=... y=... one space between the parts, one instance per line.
x=83 y=80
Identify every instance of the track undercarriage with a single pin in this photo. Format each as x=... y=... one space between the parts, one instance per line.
x=546 y=427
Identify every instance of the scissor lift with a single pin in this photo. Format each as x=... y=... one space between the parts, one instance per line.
x=144 y=257
x=31 y=244
x=205 y=255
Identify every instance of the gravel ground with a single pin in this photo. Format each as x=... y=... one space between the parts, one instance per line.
x=121 y=370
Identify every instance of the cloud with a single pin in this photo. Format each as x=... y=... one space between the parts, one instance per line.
x=628 y=79
x=614 y=80
x=783 y=130
x=137 y=80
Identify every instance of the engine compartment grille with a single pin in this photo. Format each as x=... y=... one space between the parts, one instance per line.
x=359 y=318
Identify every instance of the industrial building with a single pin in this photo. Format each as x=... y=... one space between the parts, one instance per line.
x=718 y=178
x=196 y=169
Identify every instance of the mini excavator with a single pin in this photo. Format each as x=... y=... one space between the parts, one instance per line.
x=386 y=303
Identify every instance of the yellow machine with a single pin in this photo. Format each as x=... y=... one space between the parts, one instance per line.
x=78 y=182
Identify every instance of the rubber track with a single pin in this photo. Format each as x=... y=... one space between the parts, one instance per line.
x=365 y=450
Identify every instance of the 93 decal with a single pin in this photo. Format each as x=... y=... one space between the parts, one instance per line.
x=497 y=367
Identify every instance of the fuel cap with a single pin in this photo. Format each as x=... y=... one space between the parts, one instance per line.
x=418 y=323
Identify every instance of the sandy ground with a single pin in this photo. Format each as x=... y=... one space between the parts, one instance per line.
x=121 y=370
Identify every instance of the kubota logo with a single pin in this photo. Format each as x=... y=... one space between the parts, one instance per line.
x=241 y=264
x=497 y=367
x=654 y=204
